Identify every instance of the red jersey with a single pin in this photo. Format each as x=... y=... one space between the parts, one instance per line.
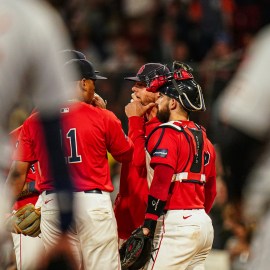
x=31 y=176
x=87 y=134
x=131 y=201
x=183 y=146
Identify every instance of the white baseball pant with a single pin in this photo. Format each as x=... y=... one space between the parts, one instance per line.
x=183 y=239
x=28 y=249
x=93 y=237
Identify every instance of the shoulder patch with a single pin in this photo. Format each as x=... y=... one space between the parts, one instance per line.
x=206 y=158
x=160 y=153
x=64 y=110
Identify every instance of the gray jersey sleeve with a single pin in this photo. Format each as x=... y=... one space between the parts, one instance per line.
x=245 y=103
x=31 y=68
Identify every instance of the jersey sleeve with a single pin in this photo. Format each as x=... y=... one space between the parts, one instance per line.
x=118 y=144
x=162 y=147
x=136 y=133
x=210 y=185
x=25 y=149
x=240 y=92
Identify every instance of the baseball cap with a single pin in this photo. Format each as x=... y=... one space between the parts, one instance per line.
x=85 y=70
x=144 y=71
x=72 y=54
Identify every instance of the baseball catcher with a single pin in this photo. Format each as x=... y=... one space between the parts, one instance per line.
x=136 y=251
x=26 y=221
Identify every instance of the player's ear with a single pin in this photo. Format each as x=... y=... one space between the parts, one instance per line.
x=82 y=83
x=172 y=103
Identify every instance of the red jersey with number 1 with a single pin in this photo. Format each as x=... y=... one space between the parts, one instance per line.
x=87 y=134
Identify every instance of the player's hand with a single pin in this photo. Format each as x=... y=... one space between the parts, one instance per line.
x=146 y=231
x=98 y=101
x=135 y=108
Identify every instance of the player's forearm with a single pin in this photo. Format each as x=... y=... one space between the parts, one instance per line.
x=16 y=178
x=157 y=195
x=137 y=135
x=28 y=189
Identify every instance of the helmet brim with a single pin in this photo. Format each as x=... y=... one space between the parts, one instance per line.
x=133 y=79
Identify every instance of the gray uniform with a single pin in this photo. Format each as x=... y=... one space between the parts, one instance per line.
x=245 y=106
x=31 y=35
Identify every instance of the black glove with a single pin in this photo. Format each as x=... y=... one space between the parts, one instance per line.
x=136 y=251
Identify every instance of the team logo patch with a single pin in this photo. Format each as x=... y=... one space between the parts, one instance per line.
x=141 y=70
x=160 y=153
x=32 y=168
x=64 y=110
x=206 y=158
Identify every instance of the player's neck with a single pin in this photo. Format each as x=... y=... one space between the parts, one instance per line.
x=178 y=117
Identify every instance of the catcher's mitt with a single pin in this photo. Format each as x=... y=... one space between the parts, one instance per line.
x=136 y=251
x=26 y=220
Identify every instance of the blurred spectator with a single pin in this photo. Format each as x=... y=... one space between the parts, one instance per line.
x=166 y=41
x=180 y=52
x=140 y=36
x=137 y=8
x=121 y=56
x=83 y=43
x=216 y=70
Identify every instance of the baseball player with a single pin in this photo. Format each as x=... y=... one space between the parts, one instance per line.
x=30 y=41
x=131 y=200
x=31 y=36
x=244 y=108
x=68 y=55
x=184 y=183
x=24 y=245
x=87 y=133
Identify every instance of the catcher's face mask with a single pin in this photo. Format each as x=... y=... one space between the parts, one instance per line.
x=180 y=85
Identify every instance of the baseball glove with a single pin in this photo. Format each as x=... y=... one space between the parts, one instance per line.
x=26 y=221
x=136 y=251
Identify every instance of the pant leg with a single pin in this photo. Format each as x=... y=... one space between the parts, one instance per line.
x=260 y=253
x=28 y=251
x=50 y=225
x=96 y=225
x=181 y=239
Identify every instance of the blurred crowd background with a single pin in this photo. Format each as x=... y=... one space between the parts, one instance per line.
x=210 y=35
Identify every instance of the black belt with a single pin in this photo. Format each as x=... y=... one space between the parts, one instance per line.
x=96 y=190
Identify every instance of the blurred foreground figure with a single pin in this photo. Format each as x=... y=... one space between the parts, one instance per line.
x=245 y=110
x=31 y=35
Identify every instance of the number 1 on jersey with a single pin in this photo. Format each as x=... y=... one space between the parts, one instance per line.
x=74 y=156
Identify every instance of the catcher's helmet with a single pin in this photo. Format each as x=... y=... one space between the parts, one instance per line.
x=180 y=85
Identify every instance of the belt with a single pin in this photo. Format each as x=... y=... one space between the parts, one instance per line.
x=96 y=191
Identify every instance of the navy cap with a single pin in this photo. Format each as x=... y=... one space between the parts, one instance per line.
x=72 y=54
x=85 y=70
x=145 y=70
